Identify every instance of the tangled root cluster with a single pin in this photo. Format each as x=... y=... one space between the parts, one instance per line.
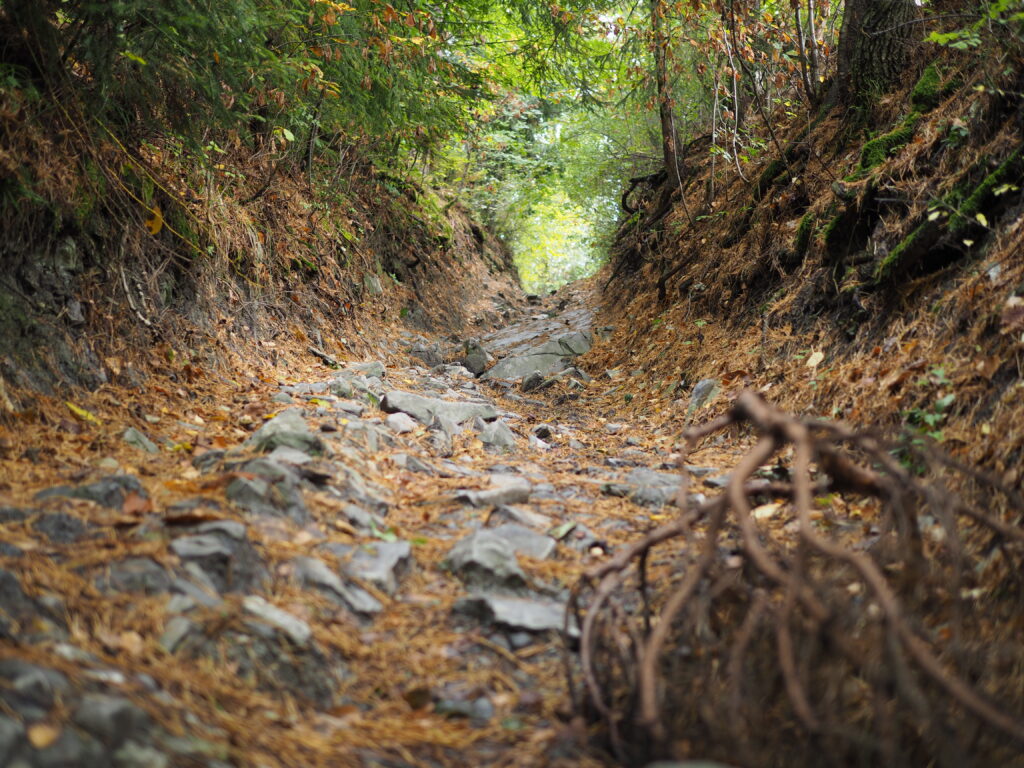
x=866 y=616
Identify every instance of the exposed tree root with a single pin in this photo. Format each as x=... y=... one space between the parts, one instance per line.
x=885 y=635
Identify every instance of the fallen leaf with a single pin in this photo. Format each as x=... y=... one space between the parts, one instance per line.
x=815 y=360
x=136 y=504
x=42 y=735
x=81 y=413
x=155 y=222
x=766 y=511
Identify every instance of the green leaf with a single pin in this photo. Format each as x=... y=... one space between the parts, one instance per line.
x=134 y=57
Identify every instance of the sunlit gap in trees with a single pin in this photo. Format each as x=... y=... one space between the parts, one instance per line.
x=555 y=244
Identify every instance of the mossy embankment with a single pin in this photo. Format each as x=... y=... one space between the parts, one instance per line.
x=891 y=246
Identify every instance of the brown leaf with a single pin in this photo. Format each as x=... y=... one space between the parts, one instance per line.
x=136 y=504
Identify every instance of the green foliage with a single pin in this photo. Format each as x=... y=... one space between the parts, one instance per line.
x=1001 y=20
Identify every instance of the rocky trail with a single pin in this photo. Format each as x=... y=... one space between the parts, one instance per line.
x=359 y=565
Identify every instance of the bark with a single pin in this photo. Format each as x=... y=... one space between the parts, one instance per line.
x=872 y=49
x=668 y=133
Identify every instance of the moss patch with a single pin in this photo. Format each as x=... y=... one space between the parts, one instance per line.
x=878 y=150
x=927 y=92
x=887 y=265
x=974 y=202
x=768 y=176
x=803 y=234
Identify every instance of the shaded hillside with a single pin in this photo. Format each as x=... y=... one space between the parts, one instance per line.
x=110 y=250
x=874 y=274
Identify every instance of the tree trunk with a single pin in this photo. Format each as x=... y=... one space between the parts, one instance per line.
x=872 y=49
x=668 y=132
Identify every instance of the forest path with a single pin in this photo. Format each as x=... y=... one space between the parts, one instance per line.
x=375 y=576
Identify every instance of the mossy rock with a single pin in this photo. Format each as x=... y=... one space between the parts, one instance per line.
x=973 y=203
x=879 y=149
x=927 y=92
x=768 y=176
x=804 y=231
x=917 y=239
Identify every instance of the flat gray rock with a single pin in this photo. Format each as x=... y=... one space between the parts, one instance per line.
x=505 y=489
x=497 y=435
x=524 y=541
x=381 y=563
x=293 y=627
x=273 y=491
x=425 y=409
x=289 y=429
x=400 y=423
x=486 y=561
x=527 y=517
x=111 y=719
x=312 y=570
x=109 y=492
x=704 y=392
x=521 y=366
x=288 y=455
x=137 y=439
x=520 y=614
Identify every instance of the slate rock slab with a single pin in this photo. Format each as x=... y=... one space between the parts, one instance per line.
x=111 y=719
x=498 y=436
x=315 y=572
x=289 y=429
x=525 y=541
x=294 y=628
x=109 y=492
x=138 y=439
x=135 y=574
x=225 y=555
x=60 y=528
x=381 y=563
x=273 y=490
x=517 y=614
x=486 y=561
x=505 y=489
x=424 y=409
x=29 y=689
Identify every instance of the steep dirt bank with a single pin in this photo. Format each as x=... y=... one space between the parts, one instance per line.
x=120 y=259
x=819 y=612
x=874 y=274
